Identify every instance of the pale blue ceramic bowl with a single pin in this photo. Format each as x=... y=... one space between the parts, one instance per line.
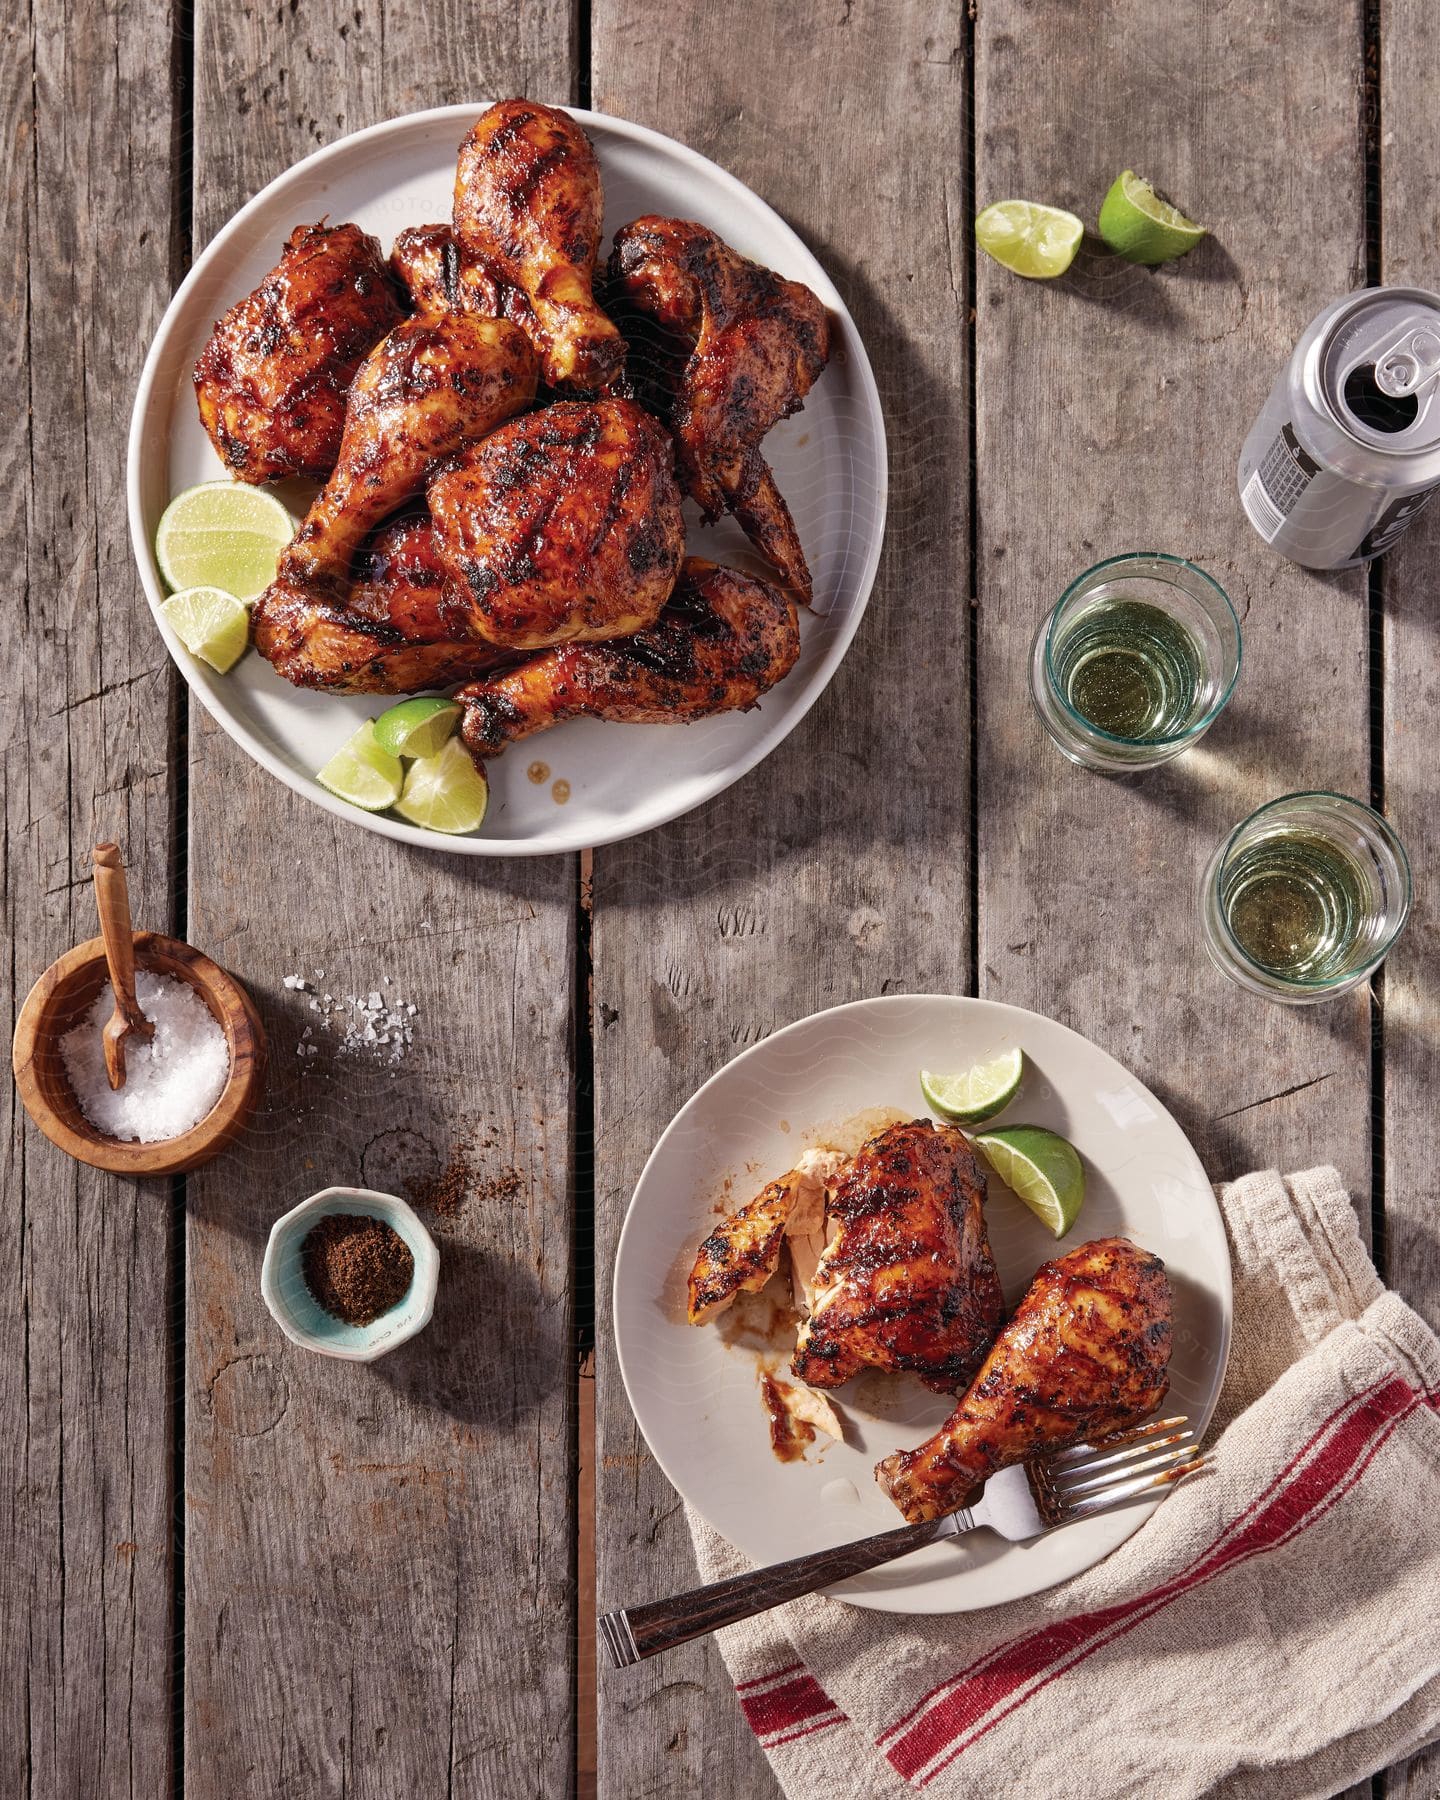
x=300 y=1316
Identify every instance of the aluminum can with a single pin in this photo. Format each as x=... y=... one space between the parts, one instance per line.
x=1346 y=450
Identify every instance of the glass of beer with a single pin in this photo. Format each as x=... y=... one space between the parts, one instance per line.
x=1305 y=898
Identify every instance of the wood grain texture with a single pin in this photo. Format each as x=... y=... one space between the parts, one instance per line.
x=839 y=868
x=1111 y=408
x=1407 y=136
x=379 y=1560
x=85 y=1654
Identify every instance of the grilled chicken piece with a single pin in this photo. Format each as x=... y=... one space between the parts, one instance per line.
x=743 y=1251
x=271 y=381
x=528 y=210
x=401 y=629
x=423 y=392
x=427 y=263
x=909 y=1283
x=562 y=525
x=1088 y=1351
x=722 y=641
x=744 y=348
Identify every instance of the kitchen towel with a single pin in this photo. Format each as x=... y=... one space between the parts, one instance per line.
x=1272 y=1631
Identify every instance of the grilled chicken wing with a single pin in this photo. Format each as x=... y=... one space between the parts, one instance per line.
x=422 y=393
x=909 y=1283
x=743 y=1251
x=722 y=641
x=562 y=525
x=741 y=348
x=427 y=263
x=1088 y=1351
x=401 y=629
x=271 y=381
x=528 y=209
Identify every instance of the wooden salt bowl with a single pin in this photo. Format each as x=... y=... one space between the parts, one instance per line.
x=57 y=1002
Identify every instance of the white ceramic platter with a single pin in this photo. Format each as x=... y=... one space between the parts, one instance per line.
x=829 y=461
x=697 y=1397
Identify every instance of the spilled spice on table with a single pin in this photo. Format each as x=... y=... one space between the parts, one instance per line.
x=463 y=1178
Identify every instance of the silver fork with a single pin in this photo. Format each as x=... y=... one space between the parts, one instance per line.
x=1021 y=1502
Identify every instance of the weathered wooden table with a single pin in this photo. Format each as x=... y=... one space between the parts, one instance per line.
x=232 y=1569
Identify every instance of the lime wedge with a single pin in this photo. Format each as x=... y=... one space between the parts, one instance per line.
x=362 y=773
x=1041 y=1168
x=979 y=1093
x=210 y=623
x=1038 y=242
x=447 y=792
x=418 y=727
x=222 y=535
x=1142 y=226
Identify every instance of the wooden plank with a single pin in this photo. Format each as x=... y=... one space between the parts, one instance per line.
x=1407 y=140
x=1111 y=407
x=839 y=868
x=379 y=1592
x=84 y=1317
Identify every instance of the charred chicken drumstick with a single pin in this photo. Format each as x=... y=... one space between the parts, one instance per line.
x=1087 y=1352
x=424 y=392
x=562 y=525
x=751 y=346
x=271 y=381
x=909 y=1283
x=528 y=209
x=427 y=263
x=723 y=640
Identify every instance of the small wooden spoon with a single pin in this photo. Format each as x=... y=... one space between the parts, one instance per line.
x=112 y=902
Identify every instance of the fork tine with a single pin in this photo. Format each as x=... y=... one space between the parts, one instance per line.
x=1117 y=1459
x=1106 y=1497
x=1115 y=1439
x=1089 y=1482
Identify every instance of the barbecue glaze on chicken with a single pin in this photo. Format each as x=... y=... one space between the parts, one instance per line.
x=1087 y=1351
x=563 y=525
x=739 y=348
x=425 y=391
x=743 y=1251
x=723 y=640
x=426 y=261
x=271 y=381
x=909 y=1283
x=528 y=211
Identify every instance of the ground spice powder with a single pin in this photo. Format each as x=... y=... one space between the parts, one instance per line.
x=356 y=1266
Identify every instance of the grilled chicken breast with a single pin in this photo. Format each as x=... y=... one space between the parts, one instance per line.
x=909 y=1283
x=1087 y=1351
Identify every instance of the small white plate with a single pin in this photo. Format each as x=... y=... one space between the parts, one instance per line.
x=829 y=461
x=697 y=1398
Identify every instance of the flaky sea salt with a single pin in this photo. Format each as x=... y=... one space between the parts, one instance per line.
x=373 y=1024
x=171 y=1082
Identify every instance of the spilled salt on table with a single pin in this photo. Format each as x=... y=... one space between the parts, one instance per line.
x=171 y=1082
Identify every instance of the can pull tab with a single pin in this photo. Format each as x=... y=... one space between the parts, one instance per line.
x=1411 y=361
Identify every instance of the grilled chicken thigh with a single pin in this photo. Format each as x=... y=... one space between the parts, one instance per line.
x=909 y=1283
x=722 y=641
x=562 y=525
x=400 y=630
x=423 y=392
x=528 y=210
x=1087 y=1351
x=271 y=381
x=741 y=348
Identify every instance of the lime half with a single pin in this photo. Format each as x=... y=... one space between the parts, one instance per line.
x=362 y=773
x=418 y=727
x=210 y=623
x=447 y=792
x=1142 y=226
x=222 y=535
x=1035 y=241
x=1041 y=1168
x=979 y=1093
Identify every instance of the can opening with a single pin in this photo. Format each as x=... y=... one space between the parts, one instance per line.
x=1373 y=407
